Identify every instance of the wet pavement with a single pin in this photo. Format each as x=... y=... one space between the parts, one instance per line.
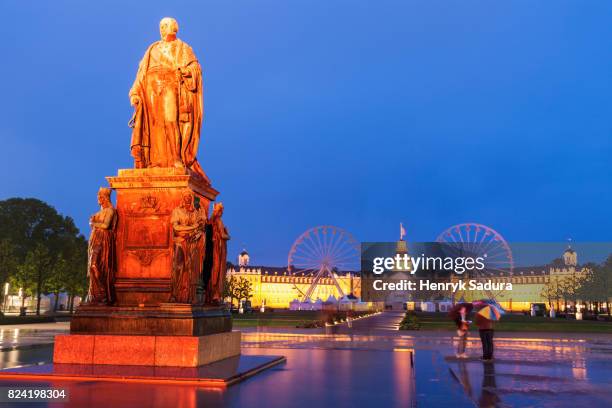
x=368 y=365
x=30 y=335
x=506 y=383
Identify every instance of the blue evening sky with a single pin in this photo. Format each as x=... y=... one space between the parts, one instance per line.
x=359 y=114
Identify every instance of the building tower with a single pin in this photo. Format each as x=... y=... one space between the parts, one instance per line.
x=570 y=257
x=243 y=258
x=401 y=249
x=396 y=300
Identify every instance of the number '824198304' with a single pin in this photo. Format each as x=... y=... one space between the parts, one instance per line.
x=11 y=394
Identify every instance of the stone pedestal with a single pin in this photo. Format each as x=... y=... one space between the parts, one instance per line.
x=142 y=327
x=166 y=319
x=159 y=351
x=145 y=199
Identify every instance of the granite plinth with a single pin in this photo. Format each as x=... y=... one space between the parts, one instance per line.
x=157 y=351
x=162 y=177
x=165 y=319
x=145 y=199
x=141 y=327
x=219 y=374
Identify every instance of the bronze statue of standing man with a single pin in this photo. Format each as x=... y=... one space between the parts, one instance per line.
x=101 y=254
x=167 y=97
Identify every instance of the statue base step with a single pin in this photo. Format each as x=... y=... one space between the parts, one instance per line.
x=219 y=374
x=157 y=351
x=166 y=319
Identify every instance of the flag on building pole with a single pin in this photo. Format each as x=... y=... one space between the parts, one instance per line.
x=402 y=232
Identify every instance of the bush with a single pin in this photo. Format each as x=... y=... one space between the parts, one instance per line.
x=410 y=322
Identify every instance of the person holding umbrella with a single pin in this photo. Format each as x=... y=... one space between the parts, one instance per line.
x=459 y=313
x=485 y=319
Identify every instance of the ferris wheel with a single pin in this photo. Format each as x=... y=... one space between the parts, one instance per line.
x=478 y=240
x=321 y=252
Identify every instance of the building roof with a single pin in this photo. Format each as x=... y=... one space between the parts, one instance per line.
x=282 y=270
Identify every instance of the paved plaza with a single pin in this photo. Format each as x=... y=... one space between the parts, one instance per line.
x=367 y=365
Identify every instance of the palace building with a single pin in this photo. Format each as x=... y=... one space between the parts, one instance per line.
x=276 y=288
x=530 y=284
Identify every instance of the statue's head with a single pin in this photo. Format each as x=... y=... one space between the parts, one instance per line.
x=168 y=27
x=187 y=199
x=104 y=196
x=218 y=209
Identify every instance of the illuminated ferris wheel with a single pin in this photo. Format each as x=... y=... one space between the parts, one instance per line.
x=320 y=252
x=477 y=240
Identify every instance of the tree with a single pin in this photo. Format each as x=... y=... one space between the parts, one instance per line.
x=597 y=286
x=603 y=279
x=588 y=290
x=76 y=282
x=551 y=292
x=8 y=262
x=229 y=289
x=57 y=281
x=566 y=289
x=27 y=222
x=43 y=263
x=25 y=275
x=244 y=289
x=31 y=225
x=38 y=264
x=239 y=289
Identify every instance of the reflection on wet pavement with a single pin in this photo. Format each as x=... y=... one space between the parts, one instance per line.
x=308 y=378
x=363 y=365
x=540 y=370
x=528 y=349
x=509 y=384
x=30 y=335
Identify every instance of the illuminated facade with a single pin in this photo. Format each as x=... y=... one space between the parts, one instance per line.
x=530 y=284
x=277 y=288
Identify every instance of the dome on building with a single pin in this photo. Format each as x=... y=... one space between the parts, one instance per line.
x=401 y=249
x=570 y=257
x=243 y=258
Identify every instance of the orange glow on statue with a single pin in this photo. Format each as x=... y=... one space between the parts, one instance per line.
x=188 y=225
x=220 y=236
x=167 y=97
x=101 y=255
x=147 y=257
